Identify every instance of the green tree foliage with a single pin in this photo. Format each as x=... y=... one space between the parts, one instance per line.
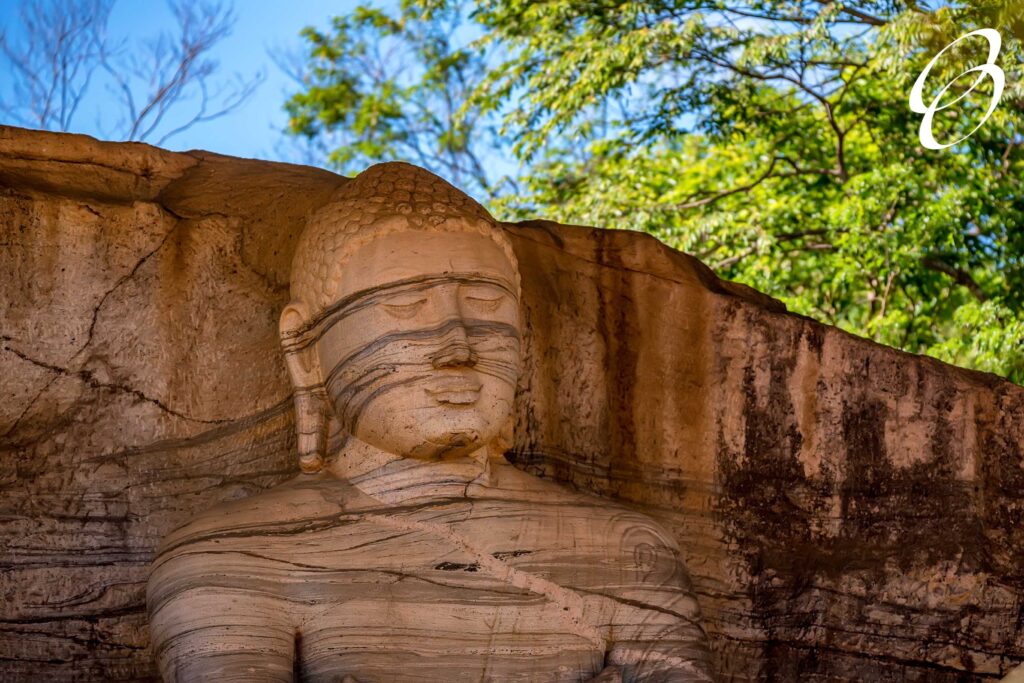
x=394 y=85
x=772 y=139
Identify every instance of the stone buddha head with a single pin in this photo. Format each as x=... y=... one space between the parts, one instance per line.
x=403 y=328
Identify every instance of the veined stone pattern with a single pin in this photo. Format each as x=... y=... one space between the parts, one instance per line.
x=429 y=576
x=845 y=511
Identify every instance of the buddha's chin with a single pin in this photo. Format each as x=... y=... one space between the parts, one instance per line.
x=451 y=444
x=432 y=431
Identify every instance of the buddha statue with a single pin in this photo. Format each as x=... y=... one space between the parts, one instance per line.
x=409 y=549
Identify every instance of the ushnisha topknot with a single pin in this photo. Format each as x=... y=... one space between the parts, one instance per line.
x=385 y=198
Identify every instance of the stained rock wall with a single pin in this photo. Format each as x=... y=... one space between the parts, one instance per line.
x=847 y=511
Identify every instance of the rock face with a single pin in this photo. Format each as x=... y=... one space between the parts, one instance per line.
x=846 y=511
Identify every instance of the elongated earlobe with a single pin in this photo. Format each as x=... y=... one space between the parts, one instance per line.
x=309 y=393
x=311 y=428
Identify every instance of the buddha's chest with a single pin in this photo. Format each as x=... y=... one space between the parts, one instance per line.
x=458 y=547
x=470 y=592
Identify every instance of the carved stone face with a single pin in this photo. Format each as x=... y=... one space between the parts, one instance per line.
x=425 y=362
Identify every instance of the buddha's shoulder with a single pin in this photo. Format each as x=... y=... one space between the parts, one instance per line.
x=618 y=523
x=292 y=505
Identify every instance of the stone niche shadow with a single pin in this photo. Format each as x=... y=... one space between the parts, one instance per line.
x=847 y=511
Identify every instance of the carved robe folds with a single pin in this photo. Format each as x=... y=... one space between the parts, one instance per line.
x=439 y=575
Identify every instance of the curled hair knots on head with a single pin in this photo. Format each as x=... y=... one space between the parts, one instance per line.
x=385 y=198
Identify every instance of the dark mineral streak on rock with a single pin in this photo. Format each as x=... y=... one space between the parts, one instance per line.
x=615 y=316
x=458 y=567
x=890 y=560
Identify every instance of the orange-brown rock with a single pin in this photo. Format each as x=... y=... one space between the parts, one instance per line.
x=846 y=511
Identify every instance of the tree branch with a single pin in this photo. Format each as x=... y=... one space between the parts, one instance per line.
x=864 y=17
x=766 y=175
x=960 y=276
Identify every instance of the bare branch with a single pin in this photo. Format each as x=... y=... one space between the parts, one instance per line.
x=52 y=64
x=63 y=45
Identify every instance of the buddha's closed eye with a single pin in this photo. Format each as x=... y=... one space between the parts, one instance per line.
x=485 y=302
x=399 y=308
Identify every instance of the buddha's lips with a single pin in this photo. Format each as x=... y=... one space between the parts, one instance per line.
x=456 y=390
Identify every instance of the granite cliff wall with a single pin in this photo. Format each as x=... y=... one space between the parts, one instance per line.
x=848 y=511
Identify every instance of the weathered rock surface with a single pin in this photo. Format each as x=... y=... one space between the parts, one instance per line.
x=847 y=511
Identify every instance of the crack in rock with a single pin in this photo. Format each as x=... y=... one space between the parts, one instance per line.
x=90 y=379
x=121 y=281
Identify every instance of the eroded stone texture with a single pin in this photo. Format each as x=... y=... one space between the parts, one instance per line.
x=846 y=511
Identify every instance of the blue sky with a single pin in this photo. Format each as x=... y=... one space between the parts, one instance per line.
x=262 y=26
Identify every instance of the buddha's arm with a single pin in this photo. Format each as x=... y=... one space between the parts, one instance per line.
x=658 y=643
x=656 y=631
x=206 y=626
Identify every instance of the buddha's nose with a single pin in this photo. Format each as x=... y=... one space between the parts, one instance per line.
x=455 y=349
